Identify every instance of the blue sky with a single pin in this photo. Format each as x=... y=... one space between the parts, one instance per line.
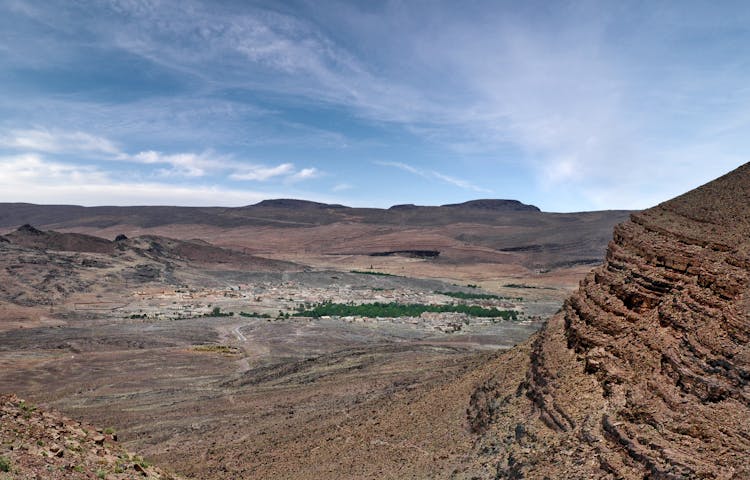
x=566 y=105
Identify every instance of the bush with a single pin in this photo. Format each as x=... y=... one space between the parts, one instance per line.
x=366 y=272
x=4 y=464
x=216 y=312
x=391 y=310
x=476 y=296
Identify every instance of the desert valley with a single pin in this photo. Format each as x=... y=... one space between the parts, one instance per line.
x=380 y=360
x=374 y=240
x=131 y=317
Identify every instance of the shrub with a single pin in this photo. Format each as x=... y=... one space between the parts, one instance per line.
x=4 y=464
x=391 y=310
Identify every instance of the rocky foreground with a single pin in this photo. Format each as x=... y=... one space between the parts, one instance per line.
x=645 y=372
x=36 y=444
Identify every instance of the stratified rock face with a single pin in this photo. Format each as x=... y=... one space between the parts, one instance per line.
x=646 y=372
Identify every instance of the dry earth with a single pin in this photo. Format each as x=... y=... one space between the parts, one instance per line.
x=643 y=374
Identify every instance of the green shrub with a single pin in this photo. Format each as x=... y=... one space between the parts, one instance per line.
x=4 y=464
x=476 y=296
x=365 y=272
x=392 y=310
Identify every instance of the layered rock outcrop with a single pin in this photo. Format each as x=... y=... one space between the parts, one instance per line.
x=645 y=373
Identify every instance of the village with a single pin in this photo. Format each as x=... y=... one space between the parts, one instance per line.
x=278 y=300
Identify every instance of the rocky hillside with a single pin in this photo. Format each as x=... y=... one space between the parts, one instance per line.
x=37 y=444
x=645 y=373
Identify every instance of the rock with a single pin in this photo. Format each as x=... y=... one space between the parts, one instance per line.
x=646 y=368
x=29 y=230
x=56 y=450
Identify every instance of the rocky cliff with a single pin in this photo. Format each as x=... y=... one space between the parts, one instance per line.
x=644 y=373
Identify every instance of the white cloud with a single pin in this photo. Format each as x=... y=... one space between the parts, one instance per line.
x=304 y=174
x=262 y=173
x=183 y=164
x=51 y=141
x=340 y=187
x=403 y=166
x=432 y=174
x=17 y=171
x=466 y=185
x=568 y=92
x=34 y=179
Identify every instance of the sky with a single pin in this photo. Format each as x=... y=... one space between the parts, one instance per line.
x=569 y=106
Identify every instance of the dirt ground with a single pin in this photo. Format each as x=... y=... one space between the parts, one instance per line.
x=123 y=341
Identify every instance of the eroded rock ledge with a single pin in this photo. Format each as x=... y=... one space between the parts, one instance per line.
x=646 y=371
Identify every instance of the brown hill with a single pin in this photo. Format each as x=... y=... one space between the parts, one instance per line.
x=479 y=232
x=31 y=237
x=645 y=373
x=149 y=246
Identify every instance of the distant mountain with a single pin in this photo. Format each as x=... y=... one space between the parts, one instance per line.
x=495 y=205
x=487 y=231
x=293 y=203
x=275 y=212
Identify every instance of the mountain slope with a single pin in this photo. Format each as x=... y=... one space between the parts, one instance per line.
x=44 y=444
x=485 y=232
x=645 y=372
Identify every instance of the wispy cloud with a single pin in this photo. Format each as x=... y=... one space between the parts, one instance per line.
x=17 y=171
x=403 y=166
x=459 y=182
x=432 y=174
x=262 y=173
x=41 y=140
x=305 y=174
x=183 y=164
x=35 y=179
x=568 y=93
x=340 y=187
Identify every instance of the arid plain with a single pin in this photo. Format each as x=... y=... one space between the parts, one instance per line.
x=179 y=328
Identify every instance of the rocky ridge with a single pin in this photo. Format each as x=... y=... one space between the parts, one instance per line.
x=645 y=373
x=41 y=444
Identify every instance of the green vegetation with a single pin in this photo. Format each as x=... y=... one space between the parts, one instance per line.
x=476 y=296
x=225 y=349
x=4 y=464
x=372 y=272
x=254 y=315
x=101 y=474
x=521 y=285
x=391 y=310
x=26 y=407
x=109 y=431
x=216 y=312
